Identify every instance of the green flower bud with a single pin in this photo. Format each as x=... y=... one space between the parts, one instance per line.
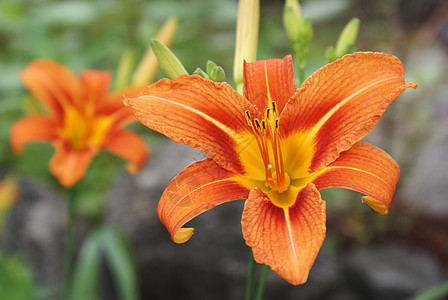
x=217 y=74
x=168 y=61
x=209 y=67
x=347 y=38
x=292 y=19
x=201 y=73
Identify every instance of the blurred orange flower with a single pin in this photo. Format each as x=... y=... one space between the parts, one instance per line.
x=277 y=146
x=83 y=119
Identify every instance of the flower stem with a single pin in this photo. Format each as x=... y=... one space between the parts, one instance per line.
x=250 y=289
x=262 y=282
x=69 y=244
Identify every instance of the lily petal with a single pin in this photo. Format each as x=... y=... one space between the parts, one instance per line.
x=32 y=129
x=196 y=189
x=366 y=169
x=128 y=146
x=342 y=102
x=53 y=84
x=269 y=80
x=113 y=105
x=197 y=112
x=286 y=239
x=68 y=165
x=95 y=87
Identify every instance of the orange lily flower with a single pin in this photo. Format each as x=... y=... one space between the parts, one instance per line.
x=277 y=146
x=83 y=119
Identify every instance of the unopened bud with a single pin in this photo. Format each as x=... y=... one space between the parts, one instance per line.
x=167 y=60
x=209 y=67
x=346 y=40
x=217 y=74
x=292 y=19
x=201 y=73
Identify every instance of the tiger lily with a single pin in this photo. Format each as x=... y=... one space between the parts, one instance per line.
x=83 y=119
x=277 y=146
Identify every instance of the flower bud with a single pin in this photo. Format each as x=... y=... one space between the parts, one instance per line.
x=348 y=37
x=201 y=73
x=217 y=74
x=345 y=42
x=209 y=67
x=246 y=38
x=168 y=61
x=292 y=19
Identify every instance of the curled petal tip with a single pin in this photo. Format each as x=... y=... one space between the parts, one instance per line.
x=183 y=235
x=411 y=85
x=376 y=205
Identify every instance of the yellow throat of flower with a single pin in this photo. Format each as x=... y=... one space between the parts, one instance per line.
x=83 y=130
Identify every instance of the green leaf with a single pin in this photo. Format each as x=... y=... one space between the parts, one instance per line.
x=86 y=273
x=434 y=293
x=16 y=280
x=118 y=256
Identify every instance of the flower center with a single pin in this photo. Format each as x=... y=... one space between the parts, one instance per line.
x=268 y=141
x=81 y=131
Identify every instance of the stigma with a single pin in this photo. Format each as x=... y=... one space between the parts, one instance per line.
x=266 y=132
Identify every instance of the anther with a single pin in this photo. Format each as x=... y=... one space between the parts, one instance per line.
x=248 y=118
x=274 y=108
x=257 y=124
x=268 y=110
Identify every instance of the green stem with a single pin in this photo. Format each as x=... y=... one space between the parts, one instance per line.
x=300 y=56
x=262 y=282
x=69 y=244
x=250 y=289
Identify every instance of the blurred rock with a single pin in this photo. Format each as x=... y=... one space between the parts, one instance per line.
x=390 y=272
x=426 y=187
x=35 y=230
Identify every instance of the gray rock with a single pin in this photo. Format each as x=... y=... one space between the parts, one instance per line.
x=390 y=272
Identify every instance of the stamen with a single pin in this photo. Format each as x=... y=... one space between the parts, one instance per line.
x=248 y=118
x=274 y=108
x=267 y=131
x=257 y=124
x=280 y=155
x=268 y=110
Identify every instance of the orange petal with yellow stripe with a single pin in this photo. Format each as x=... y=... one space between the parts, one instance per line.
x=196 y=189
x=197 y=112
x=342 y=102
x=269 y=80
x=366 y=169
x=287 y=239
